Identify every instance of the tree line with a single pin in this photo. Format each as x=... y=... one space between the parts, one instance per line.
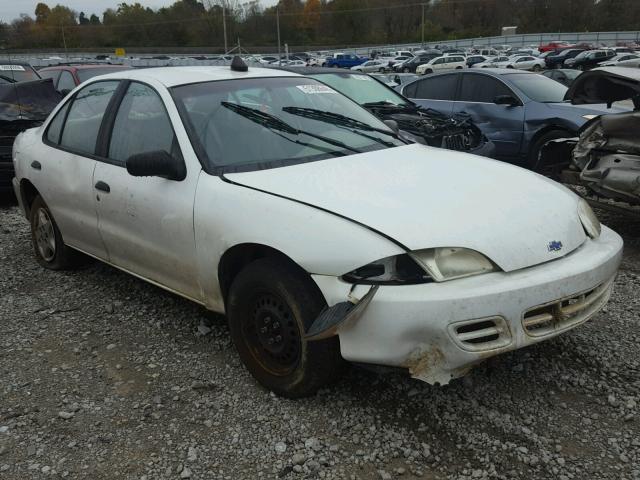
x=310 y=23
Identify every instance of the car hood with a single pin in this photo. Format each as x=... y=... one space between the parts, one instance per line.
x=568 y=110
x=604 y=85
x=424 y=197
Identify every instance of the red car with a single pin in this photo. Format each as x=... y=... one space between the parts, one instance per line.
x=552 y=46
x=67 y=77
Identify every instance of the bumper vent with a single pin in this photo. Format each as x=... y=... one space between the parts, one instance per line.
x=481 y=334
x=567 y=312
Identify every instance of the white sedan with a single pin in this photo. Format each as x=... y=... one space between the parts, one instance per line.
x=322 y=236
x=371 y=66
x=623 y=60
x=523 y=62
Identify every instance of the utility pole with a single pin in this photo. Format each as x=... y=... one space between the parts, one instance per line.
x=224 y=27
x=423 y=25
x=278 y=27
x=64 y=42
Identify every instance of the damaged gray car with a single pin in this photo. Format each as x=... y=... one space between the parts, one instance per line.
x=605 y=158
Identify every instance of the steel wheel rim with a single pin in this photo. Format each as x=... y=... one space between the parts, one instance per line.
x=272 y=334
x=45 y=235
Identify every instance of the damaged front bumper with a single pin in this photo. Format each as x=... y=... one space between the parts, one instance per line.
x=439 y=331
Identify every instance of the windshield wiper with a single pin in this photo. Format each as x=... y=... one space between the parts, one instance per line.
x=385 y=103
x=274 y=123
x=342 y=121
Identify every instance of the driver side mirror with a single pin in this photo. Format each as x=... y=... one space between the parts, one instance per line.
x=506 y=100
x=156 y=164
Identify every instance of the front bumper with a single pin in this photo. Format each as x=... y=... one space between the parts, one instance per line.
x=439 y=331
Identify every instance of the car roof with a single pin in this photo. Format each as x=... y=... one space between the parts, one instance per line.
x=174 y=76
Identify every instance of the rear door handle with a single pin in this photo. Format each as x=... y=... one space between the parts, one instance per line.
x=36 y=165
x=103 y=187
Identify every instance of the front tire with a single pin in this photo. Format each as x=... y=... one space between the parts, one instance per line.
x=48 y=245
x=537 y=68
x=270 y=306
x=534 y=161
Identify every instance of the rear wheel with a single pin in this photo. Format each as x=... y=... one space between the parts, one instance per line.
x=48 y=245
x=406 y=70
x=270 y=307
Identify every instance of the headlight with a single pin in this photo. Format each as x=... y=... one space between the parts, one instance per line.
x=396 y=270
x=453 y=262
x=589 y=117
x=589 y=220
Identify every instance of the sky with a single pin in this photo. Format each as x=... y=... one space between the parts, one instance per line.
x=10 y=9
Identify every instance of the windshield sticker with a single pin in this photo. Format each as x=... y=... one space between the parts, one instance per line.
x=15 y=68
x=313 y=89
x=365 y=78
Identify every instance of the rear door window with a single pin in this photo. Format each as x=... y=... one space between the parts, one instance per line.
x=481 y=88
x=80 y=131
x=437 y=88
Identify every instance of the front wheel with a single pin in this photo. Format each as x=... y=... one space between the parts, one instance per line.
x=406 y=70
x=537 y=164
x=48 y=245
x=381 y=70
x=536 y=68
x=270 y=306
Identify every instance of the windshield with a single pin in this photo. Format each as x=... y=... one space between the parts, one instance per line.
x=17 y=73
x=537 y=87
x=87 y=73
x=361 y=88
x=240 y=125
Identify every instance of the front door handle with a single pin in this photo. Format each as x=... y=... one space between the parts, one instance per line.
x=103 y=187
x=36 y=165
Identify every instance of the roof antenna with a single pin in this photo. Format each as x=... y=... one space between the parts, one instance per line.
x=238 y=65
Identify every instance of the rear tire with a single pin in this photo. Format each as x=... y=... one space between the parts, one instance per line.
x=48 y=245
x=270 y=306
x=406 y=70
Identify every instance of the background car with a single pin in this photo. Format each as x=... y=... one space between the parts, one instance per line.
x=491 y=62
x=553 y=46
x=556 y=59
x=14 y=72
x=623 y=60
x=370 y=66
x=413 y=63
x=451 y=62
x=523 y=62
x=67 y=77
x=23 y=104
x=475 y=59
x=519 y=111
x=565 y=76
x=589 y=59
x=453 y=132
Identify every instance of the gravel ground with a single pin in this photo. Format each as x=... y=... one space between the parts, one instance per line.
x=105 y=376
